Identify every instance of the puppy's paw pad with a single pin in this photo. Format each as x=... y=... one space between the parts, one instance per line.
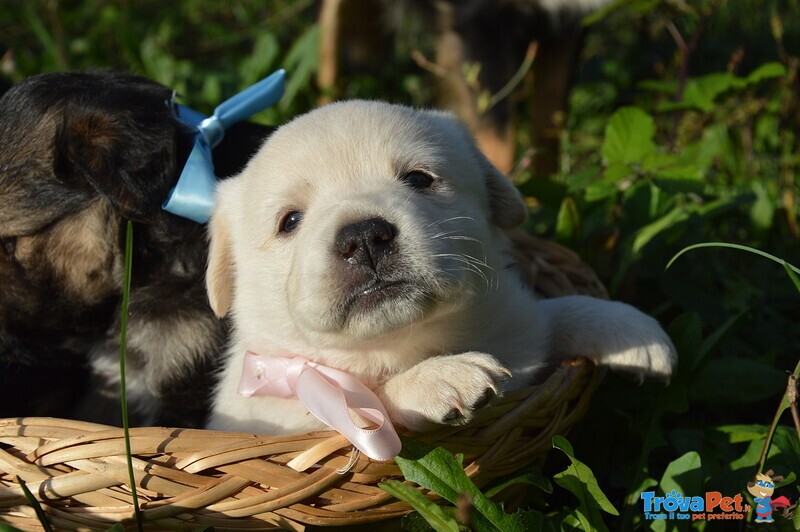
x=444 y=390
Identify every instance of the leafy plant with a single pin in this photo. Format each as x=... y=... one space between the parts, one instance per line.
x=439 y=471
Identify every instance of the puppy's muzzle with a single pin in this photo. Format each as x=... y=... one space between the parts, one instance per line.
x=366 y=243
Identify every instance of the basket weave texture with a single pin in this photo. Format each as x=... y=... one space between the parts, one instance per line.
x=233 y=481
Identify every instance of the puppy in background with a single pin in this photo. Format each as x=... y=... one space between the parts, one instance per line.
x=81 y=153
x=371 y=238
x=495 y=35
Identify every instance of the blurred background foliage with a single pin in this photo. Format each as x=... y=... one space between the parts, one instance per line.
x=683 y=126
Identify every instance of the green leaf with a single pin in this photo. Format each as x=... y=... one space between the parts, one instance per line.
x=743 y=433
x=763 y=209
x=433 y=468
x=576 y=181
x=609 y=183
x=653 y=229
x=673 y=173
x=766 y=71
x=749 y=459
x=573 y=521
x=628 y=136
x=568 y=221
x=655 y=161
x=700 y=93
x=684 y=474
x=436 y=469
x=634 y=494
x=119 y=527
x=581 y=482
x=680 y=178
x=617 y=172
x=687 y=172
x=428 y=509
x=714 y=142
x=600 y=190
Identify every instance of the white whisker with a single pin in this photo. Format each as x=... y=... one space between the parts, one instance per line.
x=454 y=218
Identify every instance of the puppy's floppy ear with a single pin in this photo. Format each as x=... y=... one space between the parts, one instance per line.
x=126 y=155
x=507 y=206
x=221 y=269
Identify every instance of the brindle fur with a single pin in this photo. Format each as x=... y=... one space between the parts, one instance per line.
x=81 y=153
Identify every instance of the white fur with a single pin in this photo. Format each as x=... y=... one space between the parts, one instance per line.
x=424 y=355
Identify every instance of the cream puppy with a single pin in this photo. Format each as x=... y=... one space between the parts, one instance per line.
x=370 y=238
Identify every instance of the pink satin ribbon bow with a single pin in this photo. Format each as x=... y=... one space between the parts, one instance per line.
x=327 y=393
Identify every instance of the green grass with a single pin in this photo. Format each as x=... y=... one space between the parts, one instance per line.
x=126 y=289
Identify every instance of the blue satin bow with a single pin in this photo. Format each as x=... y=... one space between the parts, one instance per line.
x=193 y=195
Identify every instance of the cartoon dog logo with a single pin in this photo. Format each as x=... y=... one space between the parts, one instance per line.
x=762 y=489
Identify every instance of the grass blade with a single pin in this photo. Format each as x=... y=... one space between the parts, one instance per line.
x=126 y=288
x=785 y=264
x=792 y=275
x=35 y=505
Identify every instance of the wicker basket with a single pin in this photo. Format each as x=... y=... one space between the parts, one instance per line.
x=232 y=481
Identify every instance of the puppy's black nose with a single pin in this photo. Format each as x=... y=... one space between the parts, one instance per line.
x=366 y=242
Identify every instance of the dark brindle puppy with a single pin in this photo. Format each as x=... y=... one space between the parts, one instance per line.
x=79 y=155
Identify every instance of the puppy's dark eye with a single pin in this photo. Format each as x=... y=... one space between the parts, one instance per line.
x=290 y=222
x=9 y=245
x=417 y=180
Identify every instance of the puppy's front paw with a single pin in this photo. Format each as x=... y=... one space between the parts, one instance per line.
x=444 y=390
x=640 y=346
